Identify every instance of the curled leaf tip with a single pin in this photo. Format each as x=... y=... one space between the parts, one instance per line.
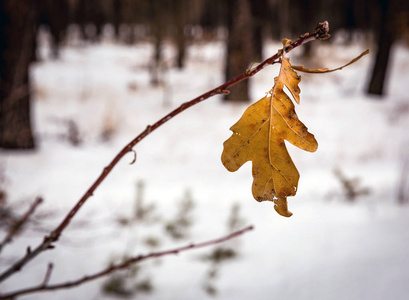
x=281 y=207
x=134 y=157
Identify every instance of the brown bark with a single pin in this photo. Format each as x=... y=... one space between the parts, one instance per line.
x=17 y=43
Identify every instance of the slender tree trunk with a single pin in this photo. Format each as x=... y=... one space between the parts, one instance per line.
x=284 y=18
x=179 y=19
x=258 y=42
x=17 y=41
x=56 y=16
x=158 y=10
x=259 y=13
x=386 y=37
x=117 y=16
x=239 y=46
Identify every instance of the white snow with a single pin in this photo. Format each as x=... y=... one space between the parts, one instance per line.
x=329 y=248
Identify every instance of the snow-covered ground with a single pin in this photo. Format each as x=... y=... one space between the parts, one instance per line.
x=329 y=249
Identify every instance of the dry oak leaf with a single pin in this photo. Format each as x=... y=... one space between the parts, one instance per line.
x=259 y=137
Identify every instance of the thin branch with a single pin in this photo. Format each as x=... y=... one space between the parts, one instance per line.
x=123 y=265
x=16 y=226
x=321 y=33
x=48 y=274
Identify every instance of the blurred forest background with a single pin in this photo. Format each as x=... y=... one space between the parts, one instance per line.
x=244 y=25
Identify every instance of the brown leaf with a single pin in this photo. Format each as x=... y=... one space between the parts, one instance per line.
x=259 y=137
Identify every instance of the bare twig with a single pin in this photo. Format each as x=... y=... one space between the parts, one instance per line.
x=48 y=274
x=123 y=265
x=320 y=33
x=16 y=226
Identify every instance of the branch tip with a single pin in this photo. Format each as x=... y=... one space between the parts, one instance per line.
x=321 y=31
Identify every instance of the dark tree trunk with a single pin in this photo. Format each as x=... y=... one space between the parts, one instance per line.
x=117 y=16
x=239 y=46
x=158 y=10
x=260 y=11
x=17 y=41
x=386 y=37
x=284 y=18
x=213 y=15
x=179 y=20
x=258 y=43
x=55 y=15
